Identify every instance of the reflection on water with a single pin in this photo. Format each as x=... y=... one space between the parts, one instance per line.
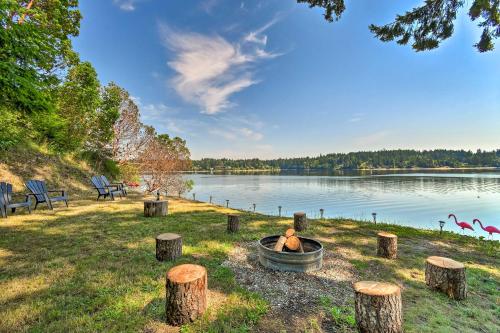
x=415 y=199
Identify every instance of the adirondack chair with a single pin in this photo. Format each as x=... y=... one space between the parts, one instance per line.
x=39 y=191
x=3 y=210
x=105 y=191
x=121 y=186
x=7 y=194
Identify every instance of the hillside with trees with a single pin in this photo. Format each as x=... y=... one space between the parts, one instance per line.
x=52 y=103
x=384 y=159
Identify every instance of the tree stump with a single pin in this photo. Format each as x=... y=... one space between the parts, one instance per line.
x=446 y=275
x=233 y=223
x=154 y=208
x=378 y=307
x=186 y=293
x=300 y=221
x=168 y=246
x=387 y=245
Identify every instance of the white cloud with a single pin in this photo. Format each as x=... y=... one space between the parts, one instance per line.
x=242 y=134
x=126 y=5
x=208 y=5
x=210 y=69
x=251 y=134
x=357 y=117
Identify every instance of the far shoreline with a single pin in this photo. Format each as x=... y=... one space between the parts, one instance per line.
x=345 y=170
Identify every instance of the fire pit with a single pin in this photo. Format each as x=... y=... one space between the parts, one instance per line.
x=310 y=260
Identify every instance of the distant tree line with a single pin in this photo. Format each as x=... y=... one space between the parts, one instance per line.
x=385 y=159
x=49 y=97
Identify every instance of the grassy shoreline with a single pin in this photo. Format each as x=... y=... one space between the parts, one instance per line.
x=91 y=268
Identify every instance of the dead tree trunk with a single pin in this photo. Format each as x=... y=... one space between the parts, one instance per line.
x=387 y=245
x=186 y=293
x=168 y=246
x=154 y=208
x=233 y=223
x=378 y=307
x=300 y=221
x=446 y=275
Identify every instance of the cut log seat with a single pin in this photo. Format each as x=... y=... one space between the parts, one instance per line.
x=447 y=276
x=378 y=307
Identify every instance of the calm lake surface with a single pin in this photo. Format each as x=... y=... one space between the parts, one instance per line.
x=418 y=199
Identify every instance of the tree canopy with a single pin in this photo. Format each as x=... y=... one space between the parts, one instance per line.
x=426 y=26
x=48 y=96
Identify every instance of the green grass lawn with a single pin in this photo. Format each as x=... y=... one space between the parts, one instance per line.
x=92 y=268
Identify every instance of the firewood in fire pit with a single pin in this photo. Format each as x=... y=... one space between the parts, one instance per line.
x=293 y=243
x=289 y=232
x=280 y=243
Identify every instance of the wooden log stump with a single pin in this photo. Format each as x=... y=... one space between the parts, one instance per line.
x=387 y=245
x=300 y=221
x=233 y=223
x=446 y=275
x=168 y=246
x=378 y=307
x=154 y=208
x=186 y=293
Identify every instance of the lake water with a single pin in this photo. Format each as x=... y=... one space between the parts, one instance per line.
x=413 y=199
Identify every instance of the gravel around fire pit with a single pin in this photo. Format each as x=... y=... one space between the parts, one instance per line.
x=289 y=290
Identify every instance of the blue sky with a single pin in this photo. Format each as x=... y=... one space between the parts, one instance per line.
x=274 y=79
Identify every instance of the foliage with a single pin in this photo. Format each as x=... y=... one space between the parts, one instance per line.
x=161 y=161
x=102 y=133
x=364 y=160
x=11 y=130
x=129 y=172
x=78 y=101
x=428 y=25
x=34 y=50
x=130 y=136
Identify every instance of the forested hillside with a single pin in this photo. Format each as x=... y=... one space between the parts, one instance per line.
x=363 y=160
x=53 y=106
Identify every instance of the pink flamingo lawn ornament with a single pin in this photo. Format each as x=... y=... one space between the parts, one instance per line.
x=463 y=225
x=490 y=229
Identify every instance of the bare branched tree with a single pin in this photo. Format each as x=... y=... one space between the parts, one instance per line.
x=161 y=161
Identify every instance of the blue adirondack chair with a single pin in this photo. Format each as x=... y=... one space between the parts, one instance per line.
x=7 y=194
x=39 y=190
x=120 y=186
x=104 y=190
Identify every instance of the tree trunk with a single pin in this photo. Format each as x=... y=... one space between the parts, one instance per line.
x=300 y=221
x=387 y=245
x=446 y=275
x=233 y=223
x=168 y=246
x=378 y=307
x=186 y=293
x=154 y=208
